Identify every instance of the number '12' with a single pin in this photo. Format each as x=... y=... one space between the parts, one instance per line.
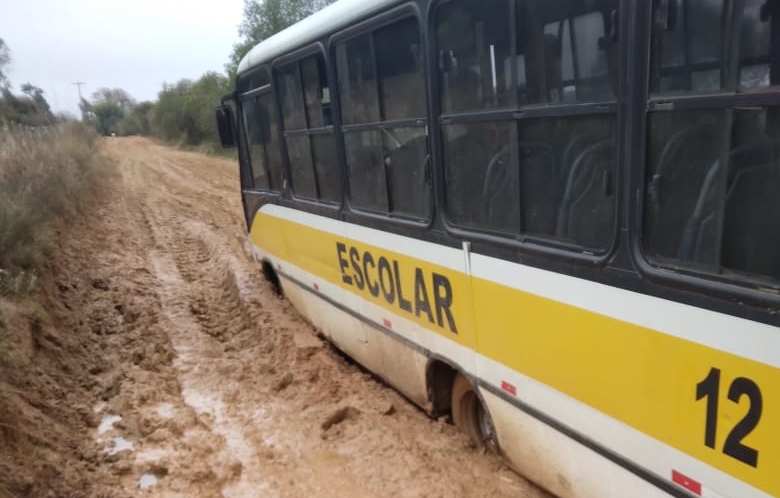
x=733 y=447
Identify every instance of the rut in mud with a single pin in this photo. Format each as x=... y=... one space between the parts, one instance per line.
x=222 y=388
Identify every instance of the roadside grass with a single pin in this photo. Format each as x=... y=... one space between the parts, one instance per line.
x=46 y=173
x=211 y=149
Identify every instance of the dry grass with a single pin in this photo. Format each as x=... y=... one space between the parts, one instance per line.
x=45 y=173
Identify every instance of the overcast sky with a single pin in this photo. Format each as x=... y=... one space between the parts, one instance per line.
x=131 y=44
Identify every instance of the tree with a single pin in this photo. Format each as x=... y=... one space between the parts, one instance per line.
x=138 y=121
x=115 y=96
x=109 y=106
x=5 y=59
x=36 y=94
x=263 y=19
x=107 y=117
x=167 y=119
x=185 y=110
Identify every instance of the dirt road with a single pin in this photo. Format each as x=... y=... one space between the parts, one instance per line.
x=222 y=388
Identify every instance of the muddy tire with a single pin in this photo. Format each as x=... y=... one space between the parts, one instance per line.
x=470 y=415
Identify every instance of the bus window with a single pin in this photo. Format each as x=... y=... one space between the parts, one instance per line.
x=304 y=183
x=481 y=177
x=290 y=96
x=268 y=121
x=713 y=177
x=255 y=143
x=306 y=110
x=383 y=113
x=367 y=180
x=399 y=68
x=316 y=92
x=357 y=81
x=473 y=43
x=715 y=209
x=754 y=46
x=570 y=59
x=551 y=178
x=253 y=79
x=688 y=47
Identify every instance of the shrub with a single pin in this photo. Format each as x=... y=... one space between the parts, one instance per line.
x=45 y=173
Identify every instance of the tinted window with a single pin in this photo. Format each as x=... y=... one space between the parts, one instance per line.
x=406 y=162
x=316 y=92
x=304 y=183
x=473 y=41
x=383 y=110
x=691 y=36
x=568 y=61
x=326 y=167
x=550 y=178
x=254 y=79
x=357 y=81
x=511 y=177
x=399 y=60
x=367 y=182
x=713 y=200
x=255 y=140
x=291 y=98
x=481 y=177
x=307 y=112
x=268 y=121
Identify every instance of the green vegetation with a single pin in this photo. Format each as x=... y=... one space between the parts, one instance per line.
x=30 y=109
x=184 y=112
x=263 y=19
x=45 y=173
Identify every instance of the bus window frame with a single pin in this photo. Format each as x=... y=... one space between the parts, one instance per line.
x=643 y=102
x=367 y=26
x=532 y=244
x=295 y=57
x=243 y=144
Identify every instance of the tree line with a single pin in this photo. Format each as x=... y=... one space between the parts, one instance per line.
x=183 y=111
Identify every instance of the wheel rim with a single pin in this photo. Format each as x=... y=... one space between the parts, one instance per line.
x=485 y=426
x=479 y=423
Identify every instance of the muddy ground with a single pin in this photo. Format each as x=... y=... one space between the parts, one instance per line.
x=155 y=313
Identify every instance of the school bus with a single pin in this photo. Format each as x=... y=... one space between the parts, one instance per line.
x=556 y=220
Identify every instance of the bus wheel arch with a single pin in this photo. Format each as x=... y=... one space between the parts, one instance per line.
x=272 y=277
x=470 y=415
x=439 y=378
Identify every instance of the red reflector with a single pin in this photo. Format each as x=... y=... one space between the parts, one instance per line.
x=387 y=323
x=316 y=287
x=686 y=482
x=506 y=386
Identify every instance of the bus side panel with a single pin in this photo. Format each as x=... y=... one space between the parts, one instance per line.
x=403 y=367
x=557 y=462
x=639 y=362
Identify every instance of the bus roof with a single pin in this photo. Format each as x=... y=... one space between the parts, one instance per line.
x=333 y=17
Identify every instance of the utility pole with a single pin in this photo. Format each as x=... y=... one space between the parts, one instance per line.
x=81 y=99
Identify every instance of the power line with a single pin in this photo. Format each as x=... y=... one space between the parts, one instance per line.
x=78 y=86
x=81 y=99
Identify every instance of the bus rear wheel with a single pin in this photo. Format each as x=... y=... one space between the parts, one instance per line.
x=470 y=415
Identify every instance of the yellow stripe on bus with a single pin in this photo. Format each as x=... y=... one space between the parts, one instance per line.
x=641 y=377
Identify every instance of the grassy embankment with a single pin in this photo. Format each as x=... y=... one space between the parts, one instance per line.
x=47 y=175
